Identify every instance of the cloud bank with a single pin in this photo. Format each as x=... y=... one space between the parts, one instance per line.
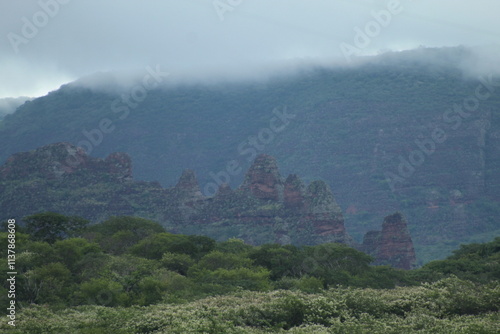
x=49 y=42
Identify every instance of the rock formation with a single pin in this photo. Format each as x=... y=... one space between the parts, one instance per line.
x=392 y=245
x=188 y=189
x=298 y=214
x=120 y=164
x=294 y=193
x=324 y=215
x=263 y=179
x=58 y=160
x=188 y=195
x=264 y=209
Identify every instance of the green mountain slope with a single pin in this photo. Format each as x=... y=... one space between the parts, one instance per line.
x=352 y=127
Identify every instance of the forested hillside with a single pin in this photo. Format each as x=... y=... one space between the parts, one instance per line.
x=391 y=135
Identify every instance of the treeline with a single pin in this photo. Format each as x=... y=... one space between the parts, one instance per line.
x=63 y=261
x=448 y=306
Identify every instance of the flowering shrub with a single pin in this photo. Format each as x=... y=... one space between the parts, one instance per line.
x=447 y=306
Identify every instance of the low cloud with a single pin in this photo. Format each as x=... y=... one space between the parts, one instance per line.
x=9 y=105
x=255 y=39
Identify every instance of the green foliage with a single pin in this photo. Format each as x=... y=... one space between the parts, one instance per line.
x=21 y=240
x=186 y=283
x=151 y=290
x=322 y=141
x=475 y=262
x=120 y=242
x=101 y=291
x=50 y=226
x=280 y=260
x=229 y=270
x=305 y=284
x=216 y=260
x=329 y=258
x=179 y=263
x=381 y=277
x=203 y=245
x=332 y=264
x=233 y=245
x=139 y=226
x=477 y=251
x=71 y=251
x=48 y=283
x=154 y=246
x=447 y=306
x=117 y=234
x=244 y=278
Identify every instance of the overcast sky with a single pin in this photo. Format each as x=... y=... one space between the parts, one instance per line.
x=44 y=45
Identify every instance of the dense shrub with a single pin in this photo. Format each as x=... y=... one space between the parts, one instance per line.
x=184 y=284
x=431 y=308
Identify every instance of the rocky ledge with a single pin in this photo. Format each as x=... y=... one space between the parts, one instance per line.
x=392 y=245
x=266 y=208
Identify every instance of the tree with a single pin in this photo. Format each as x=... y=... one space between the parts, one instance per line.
x=280 y=260
x=51 y=226
x=179 y=263
x=47 y=284
x=139 y=226
x=117 y=234
x=71 y=251
x=203 y=245
x=101 y=291
x=234 y=246
x=256 y=279
x=216 y=260
x=154 y=246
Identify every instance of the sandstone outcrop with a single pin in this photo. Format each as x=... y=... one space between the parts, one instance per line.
x=324 y=215
x=392 y=245
x=264 y=209
x=263 y=179
x=294 y=193
x=58 y=160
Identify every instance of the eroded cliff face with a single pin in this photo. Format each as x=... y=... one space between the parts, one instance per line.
x=392 y=245
x=264 y=209
x=322 y=212
x=58 y=160
x=294 y=194
x=263 y=179
x=188 y=195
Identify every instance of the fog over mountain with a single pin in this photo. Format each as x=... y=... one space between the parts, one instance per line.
x=472 y=62
x=250 y=166
x=9 y=104
x=50 y=42
x=414 y=131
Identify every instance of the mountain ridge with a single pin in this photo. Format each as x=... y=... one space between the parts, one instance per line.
x=351 y=128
